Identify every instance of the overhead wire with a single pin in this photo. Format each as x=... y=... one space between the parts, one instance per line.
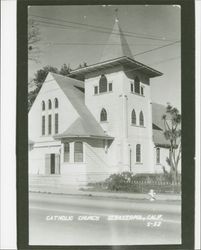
x=131 y=34
x=90 y=25
x=156 y=63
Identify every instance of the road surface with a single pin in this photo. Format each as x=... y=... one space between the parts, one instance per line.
x=82 y=220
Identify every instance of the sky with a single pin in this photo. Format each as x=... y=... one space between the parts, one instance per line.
x=68 y=35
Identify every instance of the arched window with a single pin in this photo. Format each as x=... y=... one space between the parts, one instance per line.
x=103 y=115
x=157 y=155
x=137 y=85
x=43 y=105
x=138 y=153
x=78 y=152
x=103 y=84
x=43 y=125
x=56 y=123
x=49 y=104
x=66 y=152
x=141 y=119
x=49 y=124
x=133 y=117
x=56 y=103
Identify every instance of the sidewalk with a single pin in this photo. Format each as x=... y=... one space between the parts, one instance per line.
x=73 y=190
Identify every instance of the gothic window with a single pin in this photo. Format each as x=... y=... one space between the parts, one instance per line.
x=141 y=119
x=103 y=115
x=43 y=125
x=66 y=152
x=133 y=117
x=157 y=155
x=43 y=105
x=56 y=103
x=103 y=84
x=49 y=104
x=56 y=121
x=49 y=124
x=138 y=153
x=137 y=85
x=78 y=152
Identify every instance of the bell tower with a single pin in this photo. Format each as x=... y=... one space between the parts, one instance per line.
x=117 y=92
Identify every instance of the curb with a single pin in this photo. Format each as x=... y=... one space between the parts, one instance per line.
x=101 y=195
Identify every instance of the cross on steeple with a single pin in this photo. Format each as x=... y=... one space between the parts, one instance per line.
x=117 y=45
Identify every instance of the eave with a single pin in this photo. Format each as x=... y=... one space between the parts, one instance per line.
x=123 y=61
x=59 y=137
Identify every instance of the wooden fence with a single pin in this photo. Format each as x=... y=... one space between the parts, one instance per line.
x=157 y=186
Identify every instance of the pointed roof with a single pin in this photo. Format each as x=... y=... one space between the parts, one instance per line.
x=117 y=45
x=115 y=53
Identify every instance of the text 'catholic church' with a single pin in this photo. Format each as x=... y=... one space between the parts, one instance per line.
x=99 y=120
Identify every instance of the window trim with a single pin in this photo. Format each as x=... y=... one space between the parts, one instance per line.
x=56 y=123
x=49 y=124
x=43 y=105
x=110 y=84
x=142 y=90
x=56 y=103
x=66 y=153
x=132 y=87
x=133 y=112
x=103 y=84
x=158 y=156
x=43 y=125
x=49 y=104
x=105 y=114
x=138 y=155
x=82 y=153
x=141 y=119
x=95 y=86
x=137 y=81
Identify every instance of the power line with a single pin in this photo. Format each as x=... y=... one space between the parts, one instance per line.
x=156 y=63
x=94 y=28
x=166 y=45
x=143 y=52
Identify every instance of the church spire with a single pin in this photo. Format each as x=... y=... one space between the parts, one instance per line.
x=117 y=46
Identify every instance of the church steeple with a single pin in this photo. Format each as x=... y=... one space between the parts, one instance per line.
x=117 y=46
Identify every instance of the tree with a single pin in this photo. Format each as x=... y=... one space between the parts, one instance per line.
x=172 y=133
x=65 y=70
x=40 y=76
x=33 y=39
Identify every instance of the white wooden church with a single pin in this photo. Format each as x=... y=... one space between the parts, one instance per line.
x=99 y=120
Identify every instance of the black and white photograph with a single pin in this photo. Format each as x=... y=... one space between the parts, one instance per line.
x=100 y=125
x=104 y=124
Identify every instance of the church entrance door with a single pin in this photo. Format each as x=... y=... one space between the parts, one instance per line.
x=52 y=164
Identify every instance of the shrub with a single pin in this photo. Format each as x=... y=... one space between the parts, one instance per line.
x=121 y=182
x=140 y=183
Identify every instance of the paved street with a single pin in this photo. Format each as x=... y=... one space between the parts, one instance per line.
x=80 y=220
